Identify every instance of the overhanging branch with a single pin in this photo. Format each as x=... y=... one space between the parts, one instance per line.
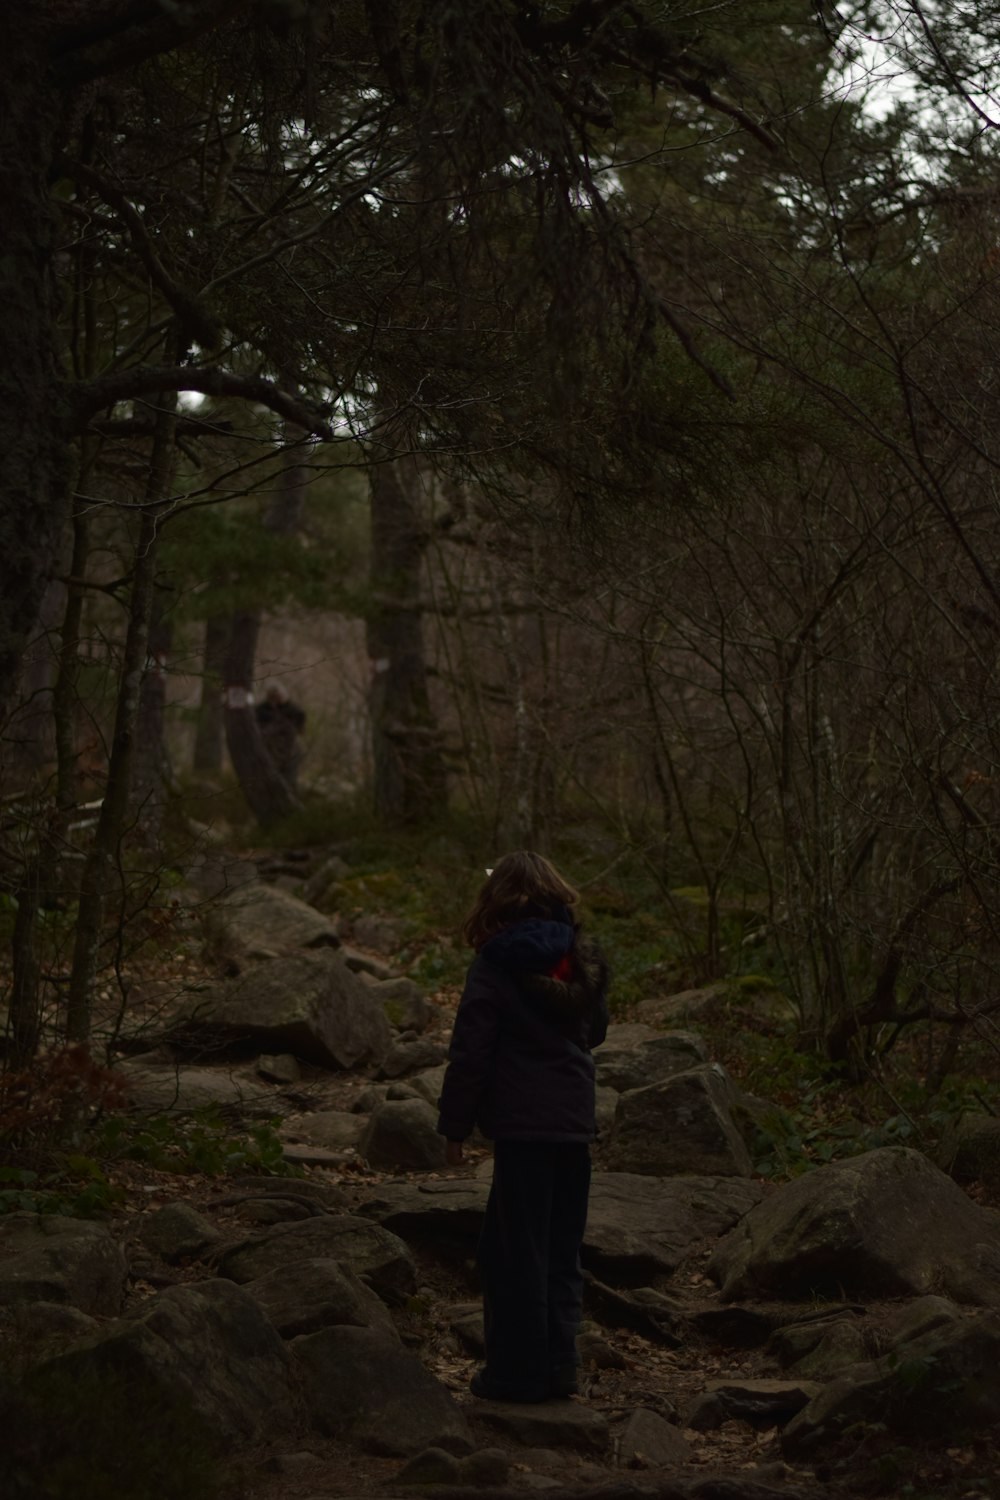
x=86 y=398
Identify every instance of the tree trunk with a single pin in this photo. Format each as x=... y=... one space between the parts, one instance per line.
x=409 y=781
x=270 y=795
x=32 y=732
x=25 y=1013
x=34 y=428
x=101 y=862
x=210 y=728
x=153 y=779
x=266 y=790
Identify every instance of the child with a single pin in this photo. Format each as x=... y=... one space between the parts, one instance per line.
x=534 y=1004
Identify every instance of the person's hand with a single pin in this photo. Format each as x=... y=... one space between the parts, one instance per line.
x=454 y=1154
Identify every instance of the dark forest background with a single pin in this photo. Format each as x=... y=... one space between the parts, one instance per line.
x=587 y=413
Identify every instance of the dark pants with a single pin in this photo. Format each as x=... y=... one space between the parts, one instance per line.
x=529 y=1257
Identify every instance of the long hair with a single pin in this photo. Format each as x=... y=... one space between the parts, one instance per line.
x=521 y=885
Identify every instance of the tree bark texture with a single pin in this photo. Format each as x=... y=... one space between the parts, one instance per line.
x=409 y=776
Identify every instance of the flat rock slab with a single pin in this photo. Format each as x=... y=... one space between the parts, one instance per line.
x=888 y=1223
x=366 y=1249
x=313 y=1156
x=546 y=1424
x=336 y=1129
x=360 y=1383
x=52 y=1258
x=640 y=1228
x=764 y=1403
x=452 y=1208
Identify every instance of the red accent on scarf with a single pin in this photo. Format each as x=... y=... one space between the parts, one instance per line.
x=563 y=969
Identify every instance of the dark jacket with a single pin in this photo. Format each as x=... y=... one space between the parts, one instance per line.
x=519 y=1064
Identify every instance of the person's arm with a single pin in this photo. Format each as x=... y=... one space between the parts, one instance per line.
x=470 y=1060
x=599 y=1020
x=598 y=1024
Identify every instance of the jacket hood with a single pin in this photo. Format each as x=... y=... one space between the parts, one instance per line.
x=581 y=994
x=533 y=946
x=529 y=950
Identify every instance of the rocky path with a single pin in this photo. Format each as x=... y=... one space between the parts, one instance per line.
x=835 y=1335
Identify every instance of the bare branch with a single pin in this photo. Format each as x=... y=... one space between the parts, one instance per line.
x=193 y=317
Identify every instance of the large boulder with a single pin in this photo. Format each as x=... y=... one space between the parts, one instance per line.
x=310 y=1004
x=50 y=1258
x=402 y=1133
x=622 y=1064
x=361 y=1385
x=972 y=1152
x=885 y=1224
x=262 y=921
x=682 y=1124
x=356 y=1244
x=945 y=1382
x=313 y=1294
x=207 y=1347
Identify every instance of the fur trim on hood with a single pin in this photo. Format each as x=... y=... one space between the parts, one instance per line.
x=577 y=996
